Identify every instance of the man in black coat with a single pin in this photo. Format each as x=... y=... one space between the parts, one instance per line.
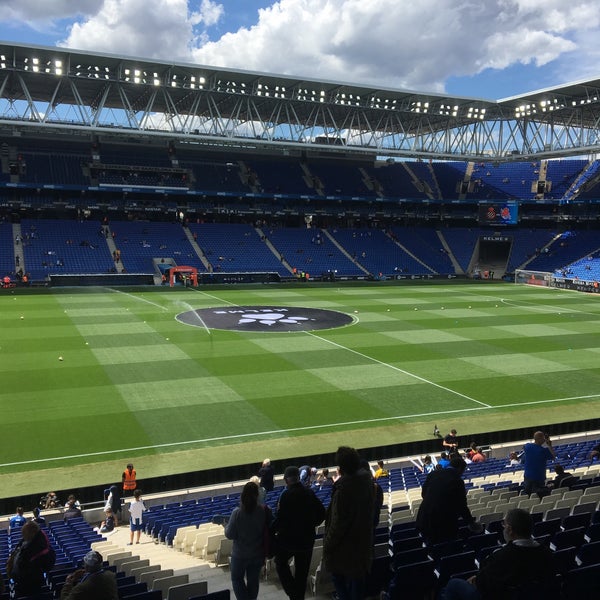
x=299 y=512
x=522 y=562
x=266 y=474
x=444 y=503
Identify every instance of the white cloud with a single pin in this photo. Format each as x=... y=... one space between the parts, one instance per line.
x=415 y=44
x=159 y=29
x=43 y=15
x=412 y=44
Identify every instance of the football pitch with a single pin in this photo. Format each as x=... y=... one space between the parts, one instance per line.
x=92 y=378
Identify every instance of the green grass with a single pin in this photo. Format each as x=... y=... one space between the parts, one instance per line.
x=135 y=384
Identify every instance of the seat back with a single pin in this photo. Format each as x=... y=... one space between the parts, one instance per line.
x=184 y=591
x=163 y=584
x=150 y=576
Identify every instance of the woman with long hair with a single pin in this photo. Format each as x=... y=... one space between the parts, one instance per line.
x=246 y=527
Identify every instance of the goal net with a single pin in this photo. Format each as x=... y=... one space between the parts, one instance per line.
x=526 y=277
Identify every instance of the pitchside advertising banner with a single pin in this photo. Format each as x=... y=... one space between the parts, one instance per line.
x=592 y=287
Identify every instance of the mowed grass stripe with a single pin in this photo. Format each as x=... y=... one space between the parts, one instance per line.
x=155 y=389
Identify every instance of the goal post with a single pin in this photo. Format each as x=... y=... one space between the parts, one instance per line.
x=526 y=277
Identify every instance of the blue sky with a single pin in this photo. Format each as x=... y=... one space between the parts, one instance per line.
x=489 y=49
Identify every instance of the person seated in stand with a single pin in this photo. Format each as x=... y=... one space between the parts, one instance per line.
x=428 y=465
x=92 y=582
x=521 y=561
x=51 y=500
x=443 y=461
x=595 y=453
x=71 y=511
x=562 y=479
x=514 y=461
x=478 y=457
x=37 y=517
x=380 y=471
x=471 y=451
x=324 y=479
x=108 y=525
x=72 y=499
x=31 y=559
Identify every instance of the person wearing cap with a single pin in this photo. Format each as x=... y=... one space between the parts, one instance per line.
x=299 y=512
x=92 y=582
x=128 y=477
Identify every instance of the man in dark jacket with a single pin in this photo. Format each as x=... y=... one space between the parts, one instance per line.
x=266 y=474
x=32 y=557
x=444 y=503
x=299 y=511
x=522 y=561
x=348 y=541
x=92 y=582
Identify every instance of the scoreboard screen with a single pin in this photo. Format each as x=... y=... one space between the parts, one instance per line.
x=498 y=213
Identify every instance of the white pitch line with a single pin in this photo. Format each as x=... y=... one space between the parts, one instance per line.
x=418 y=377
x=138 y=298
x=296 y=429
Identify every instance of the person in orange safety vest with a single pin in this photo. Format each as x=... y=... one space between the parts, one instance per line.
x=129 y=482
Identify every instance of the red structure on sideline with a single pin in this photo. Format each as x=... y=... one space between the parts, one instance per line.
x=191 y=271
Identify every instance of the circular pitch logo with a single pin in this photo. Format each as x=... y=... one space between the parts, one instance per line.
x=264 y=318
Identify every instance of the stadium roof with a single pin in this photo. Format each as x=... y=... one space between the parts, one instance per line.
x=52 y=87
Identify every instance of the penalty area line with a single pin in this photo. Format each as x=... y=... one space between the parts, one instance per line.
x=297 y=430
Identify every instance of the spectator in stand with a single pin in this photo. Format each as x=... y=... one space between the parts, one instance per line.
x=348 y=539
x=562 y=479
x=51 y=500
x=535 y=456
x=444 y=461
x=262 y=493
x=377 y=493
x=307 y=473
x=514 y=461
x=595 y=453
x=444 y=504
x=266 y=474
x=113 y=502
x=74 y=500
x=324 y=479
x=136 y=510
x=37 y=517
x=380 y=471
x=30 y=560
x=108 y=524
x=478 y=456
x=92 y=582
x=471 y=451
x=299 y=512
x=428 y=465
x=18 y=520
x=450 y=442
x=246 y=527
x=71 y=511
x=520 y=562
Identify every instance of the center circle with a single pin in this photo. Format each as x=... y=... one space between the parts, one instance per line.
x=279 y=319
